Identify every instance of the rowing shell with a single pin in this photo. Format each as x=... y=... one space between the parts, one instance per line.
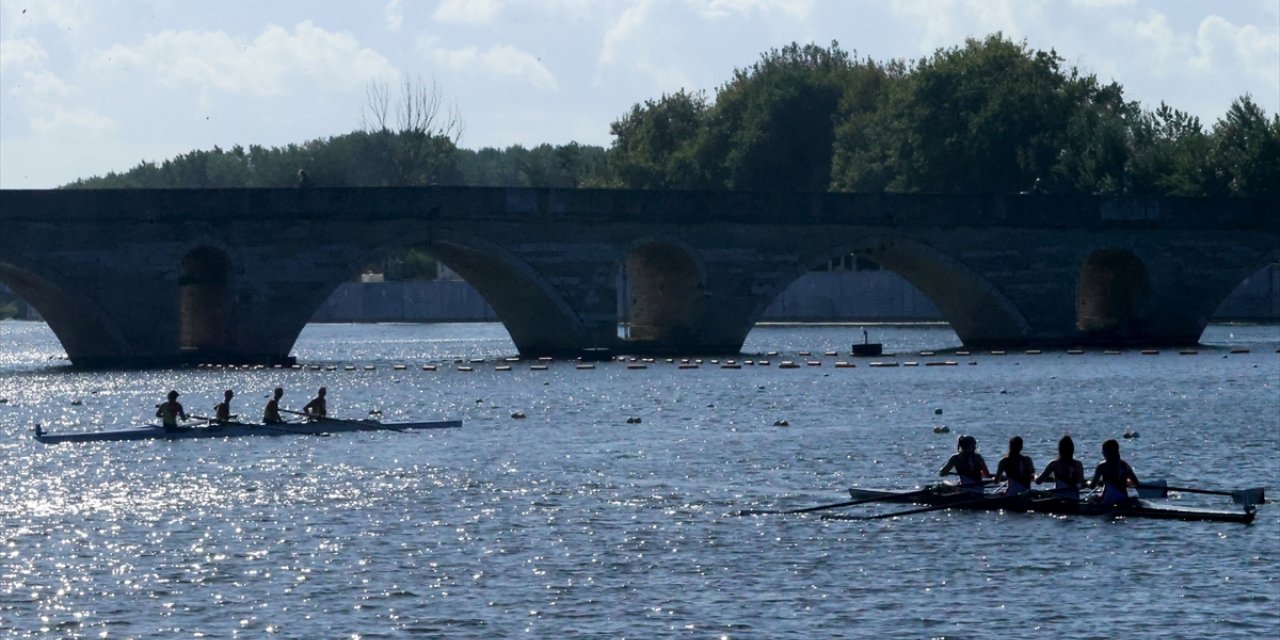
x=1047 y=502
x=238 y=429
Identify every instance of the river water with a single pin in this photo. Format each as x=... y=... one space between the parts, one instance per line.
x=572 y=522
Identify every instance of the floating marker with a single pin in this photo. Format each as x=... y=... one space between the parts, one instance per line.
x=787 y=364
x=1239 y=350
x=428 y=367
x=502 y=367
x=1075 y=352
x=845 y=365
x=586 y=366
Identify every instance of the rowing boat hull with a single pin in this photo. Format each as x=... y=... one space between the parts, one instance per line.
x=239 y=429
x=1047 y=502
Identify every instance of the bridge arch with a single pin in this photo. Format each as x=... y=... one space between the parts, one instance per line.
x=662 y=292
x=534 y=313
x=86 y=331
x=205 y=301
x=531 y=309
x=976 y=309
x=1258 y=281
x=1113 y=292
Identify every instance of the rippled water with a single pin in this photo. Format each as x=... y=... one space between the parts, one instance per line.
x=573 y=522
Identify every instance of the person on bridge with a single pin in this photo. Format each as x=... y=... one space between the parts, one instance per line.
x=222 y=410
x=1066 y=472
x=271 y=413
x=967 y=463
x=1016 y=469
x=169 y=411
x=1114 y=475
x=316 y=409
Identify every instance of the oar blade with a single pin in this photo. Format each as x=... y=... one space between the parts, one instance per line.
x=1250 y=497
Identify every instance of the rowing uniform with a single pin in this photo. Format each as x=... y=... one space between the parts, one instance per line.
x=271 y=414
x=970 y=467
x=168 y=413
x=1018 y=473
x=1115 y=481
x=1067 y=477
x=222 y=412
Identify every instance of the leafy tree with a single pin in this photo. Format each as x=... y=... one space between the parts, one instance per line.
x=653 y=144
x=989 y=117
x=773 y=124
x=1245 y=152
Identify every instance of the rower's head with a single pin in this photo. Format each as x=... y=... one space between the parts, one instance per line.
x=173 y=395
x=228 y=393
x=1111 y=450
x=1066 y=448
x=279 y=392
x=967 y=443
x=1015 y=445
x=321 y=392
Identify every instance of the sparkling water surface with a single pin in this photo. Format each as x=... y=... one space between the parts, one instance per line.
x=572 y=522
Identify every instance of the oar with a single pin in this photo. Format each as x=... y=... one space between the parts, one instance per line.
x=1161 y=489
x=908 y=512
x=268 y=427
x=340 y=420
x=850 y=503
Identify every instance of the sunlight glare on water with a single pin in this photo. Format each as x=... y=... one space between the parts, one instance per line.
x=611 y=508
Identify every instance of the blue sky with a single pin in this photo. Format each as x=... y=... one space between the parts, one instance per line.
x=89 y=86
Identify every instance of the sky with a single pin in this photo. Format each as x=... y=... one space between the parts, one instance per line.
x=91 y=86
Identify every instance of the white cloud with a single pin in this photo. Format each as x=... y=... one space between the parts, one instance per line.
x=467 y=11
x=1220 y=44
x=503 y=61
x=1102 y=4
x=263 y=67
x=61 y=120
x=21 y=52
x=394 y=13
x=796 y=9
x=628 y=26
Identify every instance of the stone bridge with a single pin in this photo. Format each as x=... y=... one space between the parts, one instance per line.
x=155 y=277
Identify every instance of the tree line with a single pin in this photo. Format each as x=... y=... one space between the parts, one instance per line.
x=991 y=116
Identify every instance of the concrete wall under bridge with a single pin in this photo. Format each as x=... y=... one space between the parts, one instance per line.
x=193 y=275
x=820 y=296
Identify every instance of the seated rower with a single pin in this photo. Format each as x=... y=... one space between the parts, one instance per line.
x=1016 y=469
x=271 y=413
x=169 y=412
x=967 y=463
x=1114 y=475
x=222 y=410
x=316 y=408
x=1066 y=472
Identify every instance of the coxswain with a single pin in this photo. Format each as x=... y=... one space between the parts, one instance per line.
x=1066 y=472
x=1114 y=475
x=169 y=411
x=316 y=408
x=967 y=463
x=1015 y=469
x=271 y=414
x=222 y=410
